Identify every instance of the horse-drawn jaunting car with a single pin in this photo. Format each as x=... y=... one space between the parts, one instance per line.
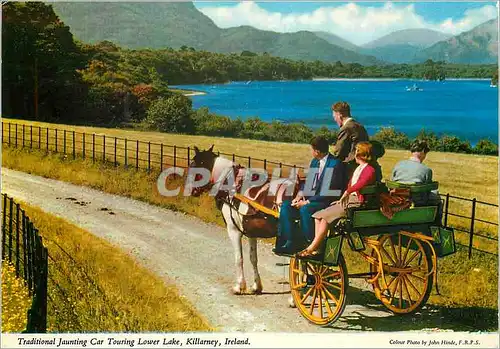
x=402 y=251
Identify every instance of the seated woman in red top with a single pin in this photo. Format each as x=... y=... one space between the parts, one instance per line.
x=363 y=175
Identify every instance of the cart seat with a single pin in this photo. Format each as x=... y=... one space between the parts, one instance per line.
x=362 y=218
x=413 y=187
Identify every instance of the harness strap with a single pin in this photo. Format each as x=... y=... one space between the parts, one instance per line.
x=256 y=205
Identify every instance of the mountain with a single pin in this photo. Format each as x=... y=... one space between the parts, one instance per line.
x=176 y=24
x=337 y=41
x=302 y=45
x=413 y=37
x=402 y=46
x=138 y=25
x=476 y=46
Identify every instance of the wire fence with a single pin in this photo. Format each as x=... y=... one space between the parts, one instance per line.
x=475 y=229
x=22 y=246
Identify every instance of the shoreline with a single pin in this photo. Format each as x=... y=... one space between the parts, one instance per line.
x=186 y=92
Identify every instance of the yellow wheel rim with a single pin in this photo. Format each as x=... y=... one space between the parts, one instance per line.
x=319 y=291
x=406 y=272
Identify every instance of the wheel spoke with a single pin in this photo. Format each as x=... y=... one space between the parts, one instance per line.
x=313 y=302
x=393 y=250
x=332 y=285
x=418 y=277
x=390 y=283
x=382 y=248
x=320 y=305
x=393 y=293
x=407 y=291
x=306 y=295
x=406 y=252
x=335 y=273
x=323 y=294
x=299 y=286
x=413 y=257
x=400 y=293
x=400 y=248
x=331 y=295
x=412 y=286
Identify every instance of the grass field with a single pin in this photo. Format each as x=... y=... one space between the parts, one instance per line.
x=96 y=287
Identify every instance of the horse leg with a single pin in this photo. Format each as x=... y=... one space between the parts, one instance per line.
x=235 y=237
x=257 y=284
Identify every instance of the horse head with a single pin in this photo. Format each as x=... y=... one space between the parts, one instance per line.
x=202 y=159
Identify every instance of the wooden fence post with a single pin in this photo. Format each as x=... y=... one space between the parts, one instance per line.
x=473 y=217
x=93 y=147
x=31 y=136
x=39 y=137
x=249 y=162
x=83 y=145
x=189 y=157
x=16 y=135
x=23 y=138
x=74 y=152
x=47 y=140
x=56 y=139
x=64 y=142
x=9 y=133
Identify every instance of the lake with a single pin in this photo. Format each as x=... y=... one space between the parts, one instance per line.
x=465 y=108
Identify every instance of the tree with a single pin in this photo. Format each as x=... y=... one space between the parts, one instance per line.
x=494 y=79
x=391 y=138
x=171 y=114
x=40 y=60
x=486 y=147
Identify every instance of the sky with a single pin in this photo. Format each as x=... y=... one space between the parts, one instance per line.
x=356 y=21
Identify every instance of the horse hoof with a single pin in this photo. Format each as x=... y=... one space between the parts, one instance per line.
x=291 y=303
x=237 y=291
x=256 y=291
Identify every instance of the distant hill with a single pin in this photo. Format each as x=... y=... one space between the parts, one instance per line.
x=138 y=25
x=476 y=46
x=413 y=37
x=302 y=45
x=338 y=41
x=403 y=45
x=171 y=24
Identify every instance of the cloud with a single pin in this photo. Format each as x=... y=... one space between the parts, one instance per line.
x=358 y=24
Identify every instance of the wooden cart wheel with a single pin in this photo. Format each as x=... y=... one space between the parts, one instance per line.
x=407 y=271
x=319 y=291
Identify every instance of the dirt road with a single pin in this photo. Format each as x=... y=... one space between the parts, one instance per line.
x=198 y=258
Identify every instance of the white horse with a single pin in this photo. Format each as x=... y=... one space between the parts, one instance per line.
x=220 y=168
